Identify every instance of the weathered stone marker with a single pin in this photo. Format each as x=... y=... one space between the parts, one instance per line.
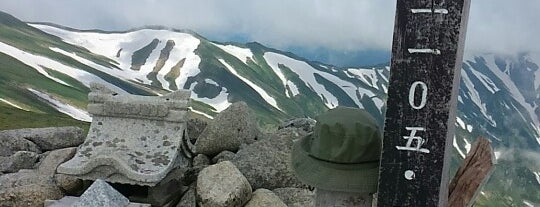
x=422 y=97
x=132 y=139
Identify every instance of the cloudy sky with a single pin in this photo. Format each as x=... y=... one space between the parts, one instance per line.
x=336 y=25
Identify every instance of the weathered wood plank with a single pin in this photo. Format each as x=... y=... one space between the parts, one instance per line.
x=422 y=98
x=473 y=173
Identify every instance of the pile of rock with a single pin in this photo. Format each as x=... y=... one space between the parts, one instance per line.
x=234 y=164
x=238 y=165
x=28 y=162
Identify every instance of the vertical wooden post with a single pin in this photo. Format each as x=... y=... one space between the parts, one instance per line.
x=427 y=57
x=324 y=198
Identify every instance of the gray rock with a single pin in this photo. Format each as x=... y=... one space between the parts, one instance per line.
x=223 y=156
x=195 y=128
x=69 y=184
x=10 y=144
x=296 y=197
x=103 y=195
x=29 y=195
x=188 y=199
x=222 y=185
x=50 y=138
x=265 y=198
x=306 y=124
x=24 y=177
x=231 y=128
x=162 y=194
x=68 y=201
x=54 y=158
x=265 y=163
x=17 y=161
x=201 y=161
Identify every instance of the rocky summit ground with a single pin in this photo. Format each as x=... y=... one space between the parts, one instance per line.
x=234 y=164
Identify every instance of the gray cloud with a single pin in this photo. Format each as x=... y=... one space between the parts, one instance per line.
x=346 y=25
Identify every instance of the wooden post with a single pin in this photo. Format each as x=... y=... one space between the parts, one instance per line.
x=425 y=71
x=473 y=173
x=324 y=198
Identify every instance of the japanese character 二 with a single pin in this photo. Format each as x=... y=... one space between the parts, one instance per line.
x=342 y=154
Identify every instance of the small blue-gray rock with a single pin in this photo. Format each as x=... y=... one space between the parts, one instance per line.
x=101 y=194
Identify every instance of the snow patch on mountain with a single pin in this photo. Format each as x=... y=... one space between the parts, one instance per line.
x=95 y=42
x=269 y=99
x=488 y=83
x=368 y=76
x=467 y=145
x=307 y=75
x=200 y=112
x=12 y=104
x=469 y=128
x=497 y=154
x=220 y=102
x=294 y=89
x=67 y=109
x=185 y=46
x=211 y=82
x=385 y=88
x=28 y=59
x=242 y=54
x=463 y=125
x=473 y=94
x=456 y=146
x=275 y=67
x=537 y=176
x=460 y=122
x=39 y=62
x=128 y=75
x=513 y=89
x=125 y=44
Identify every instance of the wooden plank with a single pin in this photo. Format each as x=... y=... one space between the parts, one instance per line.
x=425 y=70
x=473 y=173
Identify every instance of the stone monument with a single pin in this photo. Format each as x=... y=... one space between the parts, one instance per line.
x=133 y=139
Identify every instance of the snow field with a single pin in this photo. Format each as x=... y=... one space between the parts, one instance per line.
x=241 y=53
x=269 y=99
x=12 y=104
x=67 y=109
